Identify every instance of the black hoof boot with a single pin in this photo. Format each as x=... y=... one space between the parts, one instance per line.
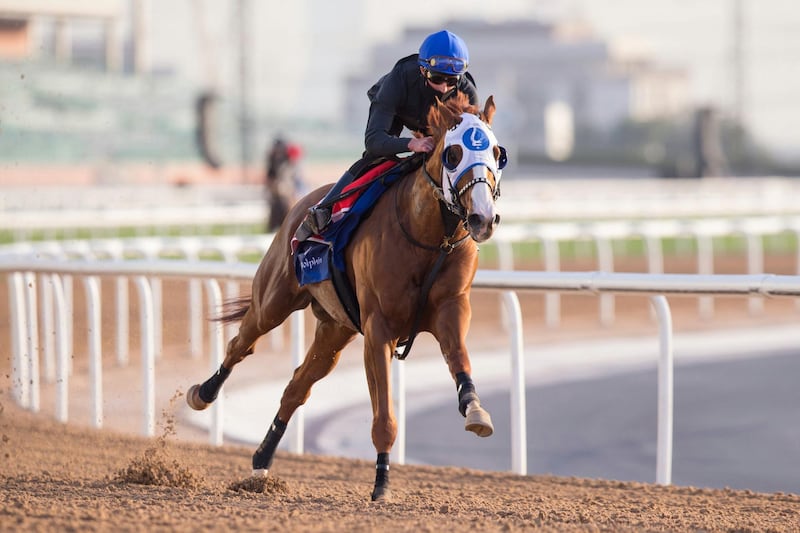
x=381 y=492
x=201 y=396
x=469 y=405
x=262 y=458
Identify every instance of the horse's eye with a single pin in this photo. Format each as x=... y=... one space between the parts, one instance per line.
x=501 y=156
x=451 y=157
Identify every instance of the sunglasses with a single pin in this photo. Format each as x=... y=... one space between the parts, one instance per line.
x=438 y=79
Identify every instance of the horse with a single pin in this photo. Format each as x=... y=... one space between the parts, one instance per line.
x=411 y=264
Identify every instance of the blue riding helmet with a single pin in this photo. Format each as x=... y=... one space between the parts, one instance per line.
x=444 y=52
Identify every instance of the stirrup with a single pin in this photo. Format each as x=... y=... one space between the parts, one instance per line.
x=318 y=219
x=314 y=223
x=303 y=232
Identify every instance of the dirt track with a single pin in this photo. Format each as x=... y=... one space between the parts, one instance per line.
x=62 y=478
x=57 y=477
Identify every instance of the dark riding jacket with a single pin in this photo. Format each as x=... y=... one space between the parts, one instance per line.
x=402 y=98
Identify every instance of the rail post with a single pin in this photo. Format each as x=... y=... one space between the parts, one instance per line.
x=217 y=341
x=665 y=392
x=148 y=356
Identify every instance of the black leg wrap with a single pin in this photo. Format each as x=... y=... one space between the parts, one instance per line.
x=210 y=388
x=262 y=459
x=381 y=476
x=466 y=392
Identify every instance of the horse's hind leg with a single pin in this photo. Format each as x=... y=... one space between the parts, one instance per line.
x=260 y=316
x=321 y=358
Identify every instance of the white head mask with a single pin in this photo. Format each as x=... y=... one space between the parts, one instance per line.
x=477 y=142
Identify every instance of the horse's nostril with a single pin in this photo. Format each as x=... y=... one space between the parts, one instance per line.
x=474 y=220
x=497 y=219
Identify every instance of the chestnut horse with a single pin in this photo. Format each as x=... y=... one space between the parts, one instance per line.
x=411 y=265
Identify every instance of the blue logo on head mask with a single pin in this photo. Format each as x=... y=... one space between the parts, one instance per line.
x=475 y=139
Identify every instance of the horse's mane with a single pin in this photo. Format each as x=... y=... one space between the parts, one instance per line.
x=459 y=103
x=444 y=115
x=440 y=119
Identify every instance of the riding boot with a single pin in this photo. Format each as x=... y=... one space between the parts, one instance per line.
x=319 y=216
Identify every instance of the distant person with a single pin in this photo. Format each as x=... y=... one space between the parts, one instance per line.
x=709 y=156
x=402 y=98
x=283 y=180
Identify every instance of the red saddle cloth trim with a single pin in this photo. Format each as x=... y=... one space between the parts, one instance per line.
x=344 y=205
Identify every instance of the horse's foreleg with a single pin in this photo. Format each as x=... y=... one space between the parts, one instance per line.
x=478 y=420
x=451 y=330
x=320 y=360
x=377 y=361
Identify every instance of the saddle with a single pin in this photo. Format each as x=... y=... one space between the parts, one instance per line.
x=321 y=256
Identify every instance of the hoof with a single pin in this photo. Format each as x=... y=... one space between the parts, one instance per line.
x=194 y=400
x=260 y=472
x=381 y=494
x=479 y=421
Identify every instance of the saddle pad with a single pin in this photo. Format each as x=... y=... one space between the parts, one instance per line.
x=342 y=207
x=312 y=257
x=321 y=257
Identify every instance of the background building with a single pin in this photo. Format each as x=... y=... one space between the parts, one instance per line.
x=44 y=28
x=549 y=80
x=116 y=80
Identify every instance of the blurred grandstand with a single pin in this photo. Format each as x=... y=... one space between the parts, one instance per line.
x=570 y=96
x=71 y=92
x=82 y=101
x=57 y=114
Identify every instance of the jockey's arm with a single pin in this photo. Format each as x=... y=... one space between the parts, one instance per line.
x=382 y=134
x=377 y=139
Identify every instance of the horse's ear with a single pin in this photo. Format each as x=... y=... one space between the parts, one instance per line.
x=488 y=110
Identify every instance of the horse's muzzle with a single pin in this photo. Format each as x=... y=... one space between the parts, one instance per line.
x=481 y=228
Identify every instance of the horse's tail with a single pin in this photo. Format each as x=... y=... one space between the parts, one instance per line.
x=233 y=310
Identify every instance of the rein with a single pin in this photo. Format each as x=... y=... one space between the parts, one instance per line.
x=451 y=225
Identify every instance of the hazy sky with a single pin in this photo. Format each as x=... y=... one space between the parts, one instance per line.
x=303 y=47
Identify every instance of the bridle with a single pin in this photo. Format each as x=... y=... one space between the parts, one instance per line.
x=477 y=143
x=453 y=216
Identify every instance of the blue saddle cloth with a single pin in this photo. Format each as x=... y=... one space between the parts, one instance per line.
x=314 y=257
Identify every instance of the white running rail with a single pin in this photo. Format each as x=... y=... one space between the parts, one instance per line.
x=600 y=235
x=22 y=271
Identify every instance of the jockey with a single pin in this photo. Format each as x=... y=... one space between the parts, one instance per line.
x=402 y=98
